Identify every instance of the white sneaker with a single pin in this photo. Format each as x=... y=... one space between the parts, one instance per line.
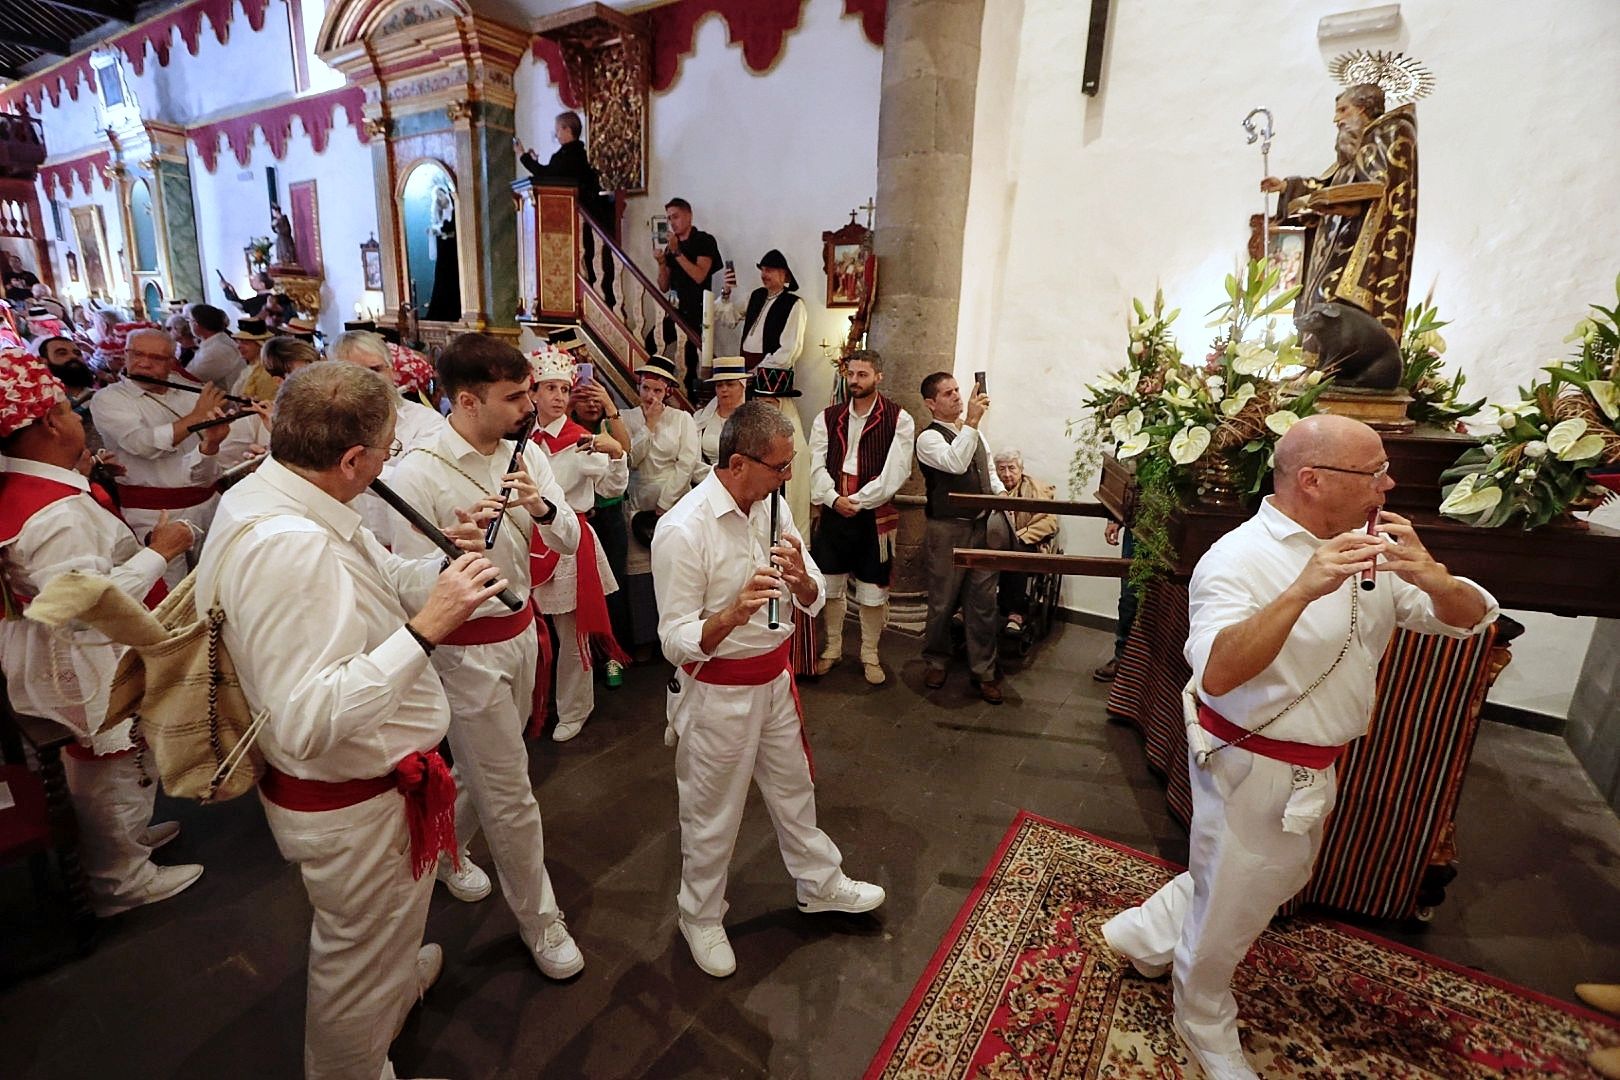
x=711 y=949
x=157 y=835
x=563 y=732
x=470 y=883
x=848 y=895
x=1144 y=968
x=557 y=956
x=873 y=672
x=429 y=962
x=168 y=881
x=1217 y=1065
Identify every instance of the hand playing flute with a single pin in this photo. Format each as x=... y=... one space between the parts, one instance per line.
x=788 y=556
x=468 y=531
x=462 y=586
x=525 y=494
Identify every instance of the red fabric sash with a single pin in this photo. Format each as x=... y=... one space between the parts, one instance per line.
x=756 y=671
x=497 y=628
x=569 y=434
x=23 y=496
x=424 y=780
x=542 y=560
x=1306 y=755
x=591 y=621
x=143 y=497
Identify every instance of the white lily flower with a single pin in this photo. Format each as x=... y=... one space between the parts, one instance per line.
x=1279 y=422
x=1189 y=445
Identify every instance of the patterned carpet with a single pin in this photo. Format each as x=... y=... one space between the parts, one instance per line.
x=1023 y=987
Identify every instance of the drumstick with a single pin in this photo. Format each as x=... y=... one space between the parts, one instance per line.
x=431 y=531
x=1370 y=575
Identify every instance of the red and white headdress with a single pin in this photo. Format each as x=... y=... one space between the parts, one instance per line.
x=413 y=372
x=550 y=363
x=28 y=390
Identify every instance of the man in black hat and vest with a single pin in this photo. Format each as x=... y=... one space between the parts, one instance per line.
x=773 y=320
x=860 y=455
x=954 y=458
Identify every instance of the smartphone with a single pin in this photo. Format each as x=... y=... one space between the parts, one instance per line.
x=586 y=371
x=585 y=443
x=979 y=385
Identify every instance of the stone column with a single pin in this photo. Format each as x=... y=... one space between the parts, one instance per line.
x=925 y=148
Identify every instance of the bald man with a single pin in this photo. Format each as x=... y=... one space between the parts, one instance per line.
x=1282 y=639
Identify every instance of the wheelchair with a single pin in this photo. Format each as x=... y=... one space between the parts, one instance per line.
x=1042 y=591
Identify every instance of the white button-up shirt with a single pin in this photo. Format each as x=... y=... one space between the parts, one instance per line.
x=1250 y=567
x=138 y=426
x=64 y=678
x=704 y=551
x=663 y=459
x=896 y=467
x=315 y=613
x=448 y=474
x=584 y=476
x=791 y=343
x=956 y=457
x=218 y=361
x=415 y=426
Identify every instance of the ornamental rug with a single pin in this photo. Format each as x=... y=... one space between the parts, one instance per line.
x=1024 y=987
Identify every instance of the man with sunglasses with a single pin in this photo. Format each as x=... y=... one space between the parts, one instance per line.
x=732 y=702
x=1284 y=638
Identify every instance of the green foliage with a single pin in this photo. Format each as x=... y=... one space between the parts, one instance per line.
x=1435 y=398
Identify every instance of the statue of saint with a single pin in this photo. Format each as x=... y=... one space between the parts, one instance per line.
x=286 y=249
x=1361 y=212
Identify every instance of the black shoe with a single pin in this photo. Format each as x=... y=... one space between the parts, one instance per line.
x=934 y=677
x=1107 y=672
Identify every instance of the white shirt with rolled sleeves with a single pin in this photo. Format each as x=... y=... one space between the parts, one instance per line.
x=315 y=612
x=956 y=456
x=1250 y=567
x=50 y=674
x=664 y=459
x=437 y=489
x=884 y=487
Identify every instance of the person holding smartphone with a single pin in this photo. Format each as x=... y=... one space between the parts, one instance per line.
x=572 y=164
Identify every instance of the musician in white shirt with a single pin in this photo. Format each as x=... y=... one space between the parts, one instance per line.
x=664 y=456
x=317 y=619
x=733 y=704
x=1282 y=640
x=489 y=666
x=166 y=466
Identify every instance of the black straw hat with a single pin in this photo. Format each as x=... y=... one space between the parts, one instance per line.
x=775 y=260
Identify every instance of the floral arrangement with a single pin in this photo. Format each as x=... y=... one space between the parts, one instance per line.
x=1189 y=428
x=1558 y=447
x=1435 y=398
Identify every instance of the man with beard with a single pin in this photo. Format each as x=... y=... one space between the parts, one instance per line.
x=1361 y=212
x=66 y=360
x=860 y=455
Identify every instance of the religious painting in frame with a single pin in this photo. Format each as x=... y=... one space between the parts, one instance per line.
x=1284 y=250
x=92 y=240
x=305 y=214
x=371 y=264
x=843 y=259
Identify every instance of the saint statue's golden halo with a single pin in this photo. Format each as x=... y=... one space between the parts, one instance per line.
x=1402 y=78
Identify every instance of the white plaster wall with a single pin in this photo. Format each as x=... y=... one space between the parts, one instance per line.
x=766 y=161
x=1094 y=200
x=231 y=208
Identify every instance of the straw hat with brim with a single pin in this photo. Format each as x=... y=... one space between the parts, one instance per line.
x=252 y=330
x=301 y=328
x=642 y=525
x=772 y=382
x=567 y=338
x=661 y=366
x=728 y=369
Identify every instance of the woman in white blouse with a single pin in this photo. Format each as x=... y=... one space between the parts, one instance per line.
x=730 y=382
x=664 y=456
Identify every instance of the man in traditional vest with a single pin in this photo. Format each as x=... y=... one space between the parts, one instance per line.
x=495 y=668
x=954 y=458
x=860 y=455
x=53 y=520
x=773 y=320
x=167 y=466
x=572 y=588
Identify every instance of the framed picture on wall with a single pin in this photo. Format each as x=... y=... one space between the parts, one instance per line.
x=371 y=263
x=92 y=238
x=843 y=258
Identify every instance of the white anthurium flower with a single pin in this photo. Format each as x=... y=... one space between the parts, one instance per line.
x=1234 y=404
x=1189 y=445
x=1180 y=398
x=1252 y=359
x=1123 y=427
x=1467 y=500
x=1279 y=422
x=1433 y=342
x=1534 y=449
x=1607 y=397
x=1569 y=441
x=1134 y=445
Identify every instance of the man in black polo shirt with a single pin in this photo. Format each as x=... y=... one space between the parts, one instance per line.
x=686 y=264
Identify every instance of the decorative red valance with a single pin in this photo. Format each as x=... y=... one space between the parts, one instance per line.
x=154 y=33
x=549 y=53
x=85 y=167
x=315 y=112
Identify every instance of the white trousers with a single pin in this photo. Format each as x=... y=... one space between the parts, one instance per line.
x=369 y=917
x=1242 y=867
x=491 y=690
x=576 y=687
x=113 y=811
x=866 y=594
x=732 y=734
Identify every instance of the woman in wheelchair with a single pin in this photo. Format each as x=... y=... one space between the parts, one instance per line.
x=1031 y=532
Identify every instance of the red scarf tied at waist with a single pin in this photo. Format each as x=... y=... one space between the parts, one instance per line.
x=1306 y=755
x=422 y=778
x=591 y=621
x=498 y=628
x=756 y=671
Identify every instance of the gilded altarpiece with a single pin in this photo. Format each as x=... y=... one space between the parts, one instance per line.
x=607 y=54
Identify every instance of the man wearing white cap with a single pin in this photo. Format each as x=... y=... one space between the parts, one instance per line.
x=168 y=467
x=572 y=588
x=493 y=668
x=53 y=520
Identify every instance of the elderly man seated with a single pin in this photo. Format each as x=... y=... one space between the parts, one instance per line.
x=1031 y=532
